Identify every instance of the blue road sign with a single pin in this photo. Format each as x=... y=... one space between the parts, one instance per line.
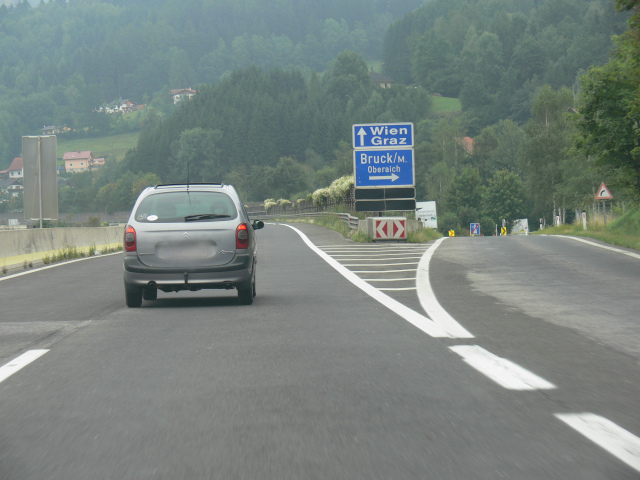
x=475 y=229
x=383 y=135
x=384 y=168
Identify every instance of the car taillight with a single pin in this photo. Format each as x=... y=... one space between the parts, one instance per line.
x=242 y=236
x=130 y=239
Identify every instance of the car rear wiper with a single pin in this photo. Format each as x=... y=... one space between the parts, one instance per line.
x=204 y=216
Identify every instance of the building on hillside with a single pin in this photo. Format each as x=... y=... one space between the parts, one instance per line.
x=97 y=163
x=11 y=186
x=381 y=81
x=75 y=162
x=14 y=171
x=180 y=94
x=121 y=105
x=50 y=130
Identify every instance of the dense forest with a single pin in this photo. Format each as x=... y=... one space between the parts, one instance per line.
x=550 y=94
x=61 y=60
x=495 y=54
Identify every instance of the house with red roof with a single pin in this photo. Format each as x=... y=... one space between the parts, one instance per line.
x=77 y=161
x=14 y=171
x=180 y=94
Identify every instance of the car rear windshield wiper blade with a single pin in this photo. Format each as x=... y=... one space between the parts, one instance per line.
x=204 y=216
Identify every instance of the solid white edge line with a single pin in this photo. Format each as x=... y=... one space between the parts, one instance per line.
x=20 y=362
x=619 y=442
x=428 y=298
x=39 y=269
x=420 y=321
x=594 y=244
x=502 y=371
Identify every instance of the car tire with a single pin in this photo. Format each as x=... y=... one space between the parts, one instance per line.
x=247 y=292
x=133 y=297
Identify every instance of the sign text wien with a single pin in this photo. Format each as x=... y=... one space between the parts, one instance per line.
x=383 y=135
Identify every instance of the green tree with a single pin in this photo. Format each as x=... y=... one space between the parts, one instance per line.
x=548 y=138
x=196 y=157
x=504 y=198
x=464 y=196
x=609 y=114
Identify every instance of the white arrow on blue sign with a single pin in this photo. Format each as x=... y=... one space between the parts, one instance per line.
x=383 y=168
x=383 y=135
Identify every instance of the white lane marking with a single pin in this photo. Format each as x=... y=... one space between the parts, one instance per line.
x=387 y=279
x=374 y=250
x=57 y=265
x=614 y=439
x=20 y=362
x=594 y=244
x=376 y=255
x=502 y=371
x=385 y=271
x=420 y=321
x=393 y=247
x=377 y=264
x=428 y=298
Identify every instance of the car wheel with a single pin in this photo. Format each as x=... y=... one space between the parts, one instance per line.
x=133 y=297
x=150 y=293
x=247 y=292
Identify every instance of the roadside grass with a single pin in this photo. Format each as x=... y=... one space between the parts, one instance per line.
x=445 y=104
x=423 y=236
x=623 y=231
x=113 y=147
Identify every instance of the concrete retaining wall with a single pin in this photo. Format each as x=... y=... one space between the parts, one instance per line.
x=17 y=246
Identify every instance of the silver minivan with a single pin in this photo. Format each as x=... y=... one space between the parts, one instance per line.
x=189 y=237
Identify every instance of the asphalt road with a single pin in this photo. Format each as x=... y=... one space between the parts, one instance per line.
x=318 y=379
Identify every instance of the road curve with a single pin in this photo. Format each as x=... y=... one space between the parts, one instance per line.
x=316 y=379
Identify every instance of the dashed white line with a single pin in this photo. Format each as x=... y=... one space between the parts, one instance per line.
x=20 y=362
x=614 y=439
x=502 y=371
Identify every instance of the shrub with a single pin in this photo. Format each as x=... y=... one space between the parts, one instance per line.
x=340 y=188
x=320 y=197
x=269 y=203
x=449 y=221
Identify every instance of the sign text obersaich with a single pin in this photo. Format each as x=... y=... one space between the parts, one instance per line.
x=384 y=168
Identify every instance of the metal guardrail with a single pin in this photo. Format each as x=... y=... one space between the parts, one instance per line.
x=351 y=221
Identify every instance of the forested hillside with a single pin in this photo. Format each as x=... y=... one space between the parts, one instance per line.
x=496 y=54
x=245 y=127
x=550 y=106
x=60 y=60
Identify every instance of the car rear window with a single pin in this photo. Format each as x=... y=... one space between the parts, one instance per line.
x=176 y=207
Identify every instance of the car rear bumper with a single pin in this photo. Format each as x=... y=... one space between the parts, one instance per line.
x=237 y=272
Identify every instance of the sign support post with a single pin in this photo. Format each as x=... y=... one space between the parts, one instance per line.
x=604 y=194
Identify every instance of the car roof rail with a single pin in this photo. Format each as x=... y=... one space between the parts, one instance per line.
x=211 y=184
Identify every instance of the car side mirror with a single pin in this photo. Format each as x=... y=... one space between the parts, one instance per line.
x=258 y=224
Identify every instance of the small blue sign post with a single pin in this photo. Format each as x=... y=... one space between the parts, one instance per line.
x=475 y=229
x=384 y=168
